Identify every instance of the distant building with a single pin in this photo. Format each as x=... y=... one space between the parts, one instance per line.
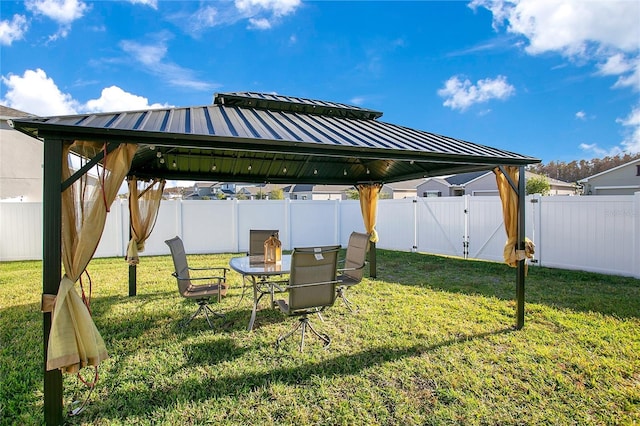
x=621 y=180
x=317 y=192
x=400 y=190
x=21 y=160
x=479 y=184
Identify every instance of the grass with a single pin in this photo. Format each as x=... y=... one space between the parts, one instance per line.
x=433 y=344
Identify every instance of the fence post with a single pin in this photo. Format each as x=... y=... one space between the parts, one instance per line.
x=536 y=207
x=415 y=224
x=636 y=232
x=465 y=237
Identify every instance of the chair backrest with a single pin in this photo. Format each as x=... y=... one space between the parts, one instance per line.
x=313 y=265
x=180 y=264
x=356 y=255
x=257 y=237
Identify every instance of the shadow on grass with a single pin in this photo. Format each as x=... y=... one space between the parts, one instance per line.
x=574 y=290
x=197 y=388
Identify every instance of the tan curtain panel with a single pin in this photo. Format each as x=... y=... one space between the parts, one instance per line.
x=143 y=211
x=509 y=199
x=369 y=206
x=74 y=341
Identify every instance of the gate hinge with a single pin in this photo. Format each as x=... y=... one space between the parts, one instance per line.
x=534 y=200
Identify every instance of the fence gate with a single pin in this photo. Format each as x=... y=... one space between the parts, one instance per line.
x=440 y=224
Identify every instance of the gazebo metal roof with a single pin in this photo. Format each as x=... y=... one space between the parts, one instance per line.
x=252 y=137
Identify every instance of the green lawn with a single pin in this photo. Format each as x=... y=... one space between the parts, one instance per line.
x=433 y=343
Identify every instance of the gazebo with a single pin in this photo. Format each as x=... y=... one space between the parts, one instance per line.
x=241 y=137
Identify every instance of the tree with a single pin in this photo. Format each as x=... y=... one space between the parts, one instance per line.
x=576 y=170
x=260 y=195
x=537 y=185
x=276 y=194
x=352 y=194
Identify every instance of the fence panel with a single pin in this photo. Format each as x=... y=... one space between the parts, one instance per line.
x=591 y=233
x=396 y=224
x=260 y=214
x=111 y=241
x=168 y=225
x=20 y=231
x=211 y=226
x=440 y=225
x=315 y=223
x=349 y=220
x=486 y=228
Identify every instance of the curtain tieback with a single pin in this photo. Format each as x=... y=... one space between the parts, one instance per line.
x=48 y=302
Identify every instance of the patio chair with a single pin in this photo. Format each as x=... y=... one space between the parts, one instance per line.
x=311 y=288
x=257 y=237
x=354 y=263
x=212 y=287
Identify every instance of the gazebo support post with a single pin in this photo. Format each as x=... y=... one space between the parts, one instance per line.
x=521 y=245
x=372 y=260
x=133 y=271
x=132 y=280
x=51 y=269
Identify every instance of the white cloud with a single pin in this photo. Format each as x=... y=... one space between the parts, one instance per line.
x=596 y=151
x=152 y=57
x=260 y=14
x=276 y=7
x=606 y=32
x=115 y=99
x=628 y=70
x=461 y=94
x=61 y=11
x=36 y=93
x=259 y=24
x=64 y=12
x=631 y=142
x=13 y=30
x=151 y=3
x=580 y=115
x=570 y=27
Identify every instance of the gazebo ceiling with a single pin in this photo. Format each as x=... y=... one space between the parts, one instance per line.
x=252 y=137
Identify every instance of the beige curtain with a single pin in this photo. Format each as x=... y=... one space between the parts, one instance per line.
x=509 y=199
x=143 y=212
x=74 y=341
x=369 y=206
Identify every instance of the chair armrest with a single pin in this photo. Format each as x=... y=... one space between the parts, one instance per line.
x=352 y=269
x=289 y=287
x=219 y=278
x=221 y=268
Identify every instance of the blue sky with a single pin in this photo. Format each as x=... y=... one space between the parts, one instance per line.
x=558 y=79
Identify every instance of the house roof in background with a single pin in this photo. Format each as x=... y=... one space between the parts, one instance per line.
x=464 y=178
x=7 y=112
x=240 y=139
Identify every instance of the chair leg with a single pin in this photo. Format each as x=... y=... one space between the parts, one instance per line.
x=195 y=314
x=293 y=330
x=350 y=305
x=324 y=337
x=203 y=306
x=303 y=324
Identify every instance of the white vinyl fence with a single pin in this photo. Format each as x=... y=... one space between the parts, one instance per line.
x=591 y=233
